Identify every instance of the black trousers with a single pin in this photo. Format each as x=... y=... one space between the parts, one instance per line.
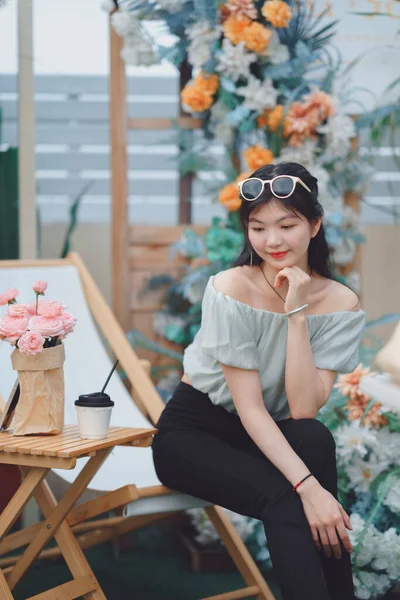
x=203 y=450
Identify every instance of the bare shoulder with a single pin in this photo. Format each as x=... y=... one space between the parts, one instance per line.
x=342 y=297
x=232 y=282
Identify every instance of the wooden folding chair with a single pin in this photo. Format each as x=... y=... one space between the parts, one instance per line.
x=127 y=479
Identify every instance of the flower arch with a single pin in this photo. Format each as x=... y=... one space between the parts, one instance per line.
x=265 y=83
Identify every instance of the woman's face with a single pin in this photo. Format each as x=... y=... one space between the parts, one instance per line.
x=281 y=238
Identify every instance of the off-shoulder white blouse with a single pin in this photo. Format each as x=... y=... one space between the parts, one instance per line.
x=240 y=335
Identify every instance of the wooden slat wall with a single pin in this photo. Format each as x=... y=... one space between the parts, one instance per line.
x=149 y=255
x=72 y=137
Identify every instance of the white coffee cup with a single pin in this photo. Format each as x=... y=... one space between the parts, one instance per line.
x=94 y=413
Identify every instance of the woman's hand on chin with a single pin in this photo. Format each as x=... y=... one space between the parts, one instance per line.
x=299 y=286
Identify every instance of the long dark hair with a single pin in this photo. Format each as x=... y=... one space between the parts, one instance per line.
x=301 y=202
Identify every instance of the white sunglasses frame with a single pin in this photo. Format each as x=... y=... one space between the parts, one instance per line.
x=270 y=181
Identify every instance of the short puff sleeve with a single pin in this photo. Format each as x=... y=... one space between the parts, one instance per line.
x=224 y=334
x=336 y=344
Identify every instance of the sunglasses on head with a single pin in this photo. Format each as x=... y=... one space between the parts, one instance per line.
x=282 y=186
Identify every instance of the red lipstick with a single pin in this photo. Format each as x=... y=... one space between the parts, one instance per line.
x=278 y=254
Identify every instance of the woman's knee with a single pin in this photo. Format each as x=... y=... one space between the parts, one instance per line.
x=312 y=432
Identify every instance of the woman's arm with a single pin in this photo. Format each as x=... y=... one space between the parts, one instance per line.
x=245 y=388
x=326 y=517
x=307 y=388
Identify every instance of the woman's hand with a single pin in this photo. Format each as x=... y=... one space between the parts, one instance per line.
x=327 y=518
x=299 y=285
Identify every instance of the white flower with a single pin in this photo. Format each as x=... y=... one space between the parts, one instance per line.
x=258 y=94
x=199 y=54
x=161 y=320
x=369 y=543
x=224 y=133
x=370 y=585
x=139 y=52
x=353 y=439
x=108 y=5
x=234 y=61
x=351 y=220
x=392 y=500
x=344 y=251
x=202 y=30
x=361 y=473
x=171 y=6
x=304 y=154
x=201 y=36
x=388 y=447
x=277 y=52
x=332 y=204
x=125 y=22
x=221 y=130
x=338 y=130
x=388 y=554
x=206 y=532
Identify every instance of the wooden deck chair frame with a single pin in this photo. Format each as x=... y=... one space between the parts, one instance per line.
x=91 y=531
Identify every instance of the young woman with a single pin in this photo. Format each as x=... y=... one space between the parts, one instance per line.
x=240 y=430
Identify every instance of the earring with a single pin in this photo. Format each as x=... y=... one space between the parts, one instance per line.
x=251 y=257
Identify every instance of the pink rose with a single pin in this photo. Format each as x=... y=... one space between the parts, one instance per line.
x=46 y=326
x=68 y=321
x=8 y=296
x=46 y=308
x=50 y=308
x=39 y=287
x=31 y=343
x=31 y=309
x=13 y=326
x=17 y=310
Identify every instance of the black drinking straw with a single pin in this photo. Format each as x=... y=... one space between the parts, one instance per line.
x=109 y=377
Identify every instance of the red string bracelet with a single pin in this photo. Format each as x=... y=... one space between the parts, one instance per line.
x=300 y=482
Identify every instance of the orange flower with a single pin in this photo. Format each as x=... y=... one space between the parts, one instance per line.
x=257 y=156
x=304 y=117
x=240 y=8
x=257 y=37
x=271 y=118
x=373 y=418
x=277 y=13
x=262 y=120
x=275 y=117
x=356 y=408
x=196 y=99
x=224 y=12
x=321 y=102
x=207 y=82
x=229 y=197
x=355 y=411
x=235 y=27
x=348 y=384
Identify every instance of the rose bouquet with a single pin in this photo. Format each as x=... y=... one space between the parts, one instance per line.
x=37 y=331
x=32 y=327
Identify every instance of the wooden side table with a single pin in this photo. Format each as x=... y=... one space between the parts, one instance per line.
x=36 y=455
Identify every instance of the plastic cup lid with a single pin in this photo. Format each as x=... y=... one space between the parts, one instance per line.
x=94 y=400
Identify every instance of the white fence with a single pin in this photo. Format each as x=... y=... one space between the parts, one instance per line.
x=72 y=150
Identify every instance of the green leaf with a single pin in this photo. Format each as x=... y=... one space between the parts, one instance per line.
x=137 y=339
x=73 y=212
x=367 y=408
